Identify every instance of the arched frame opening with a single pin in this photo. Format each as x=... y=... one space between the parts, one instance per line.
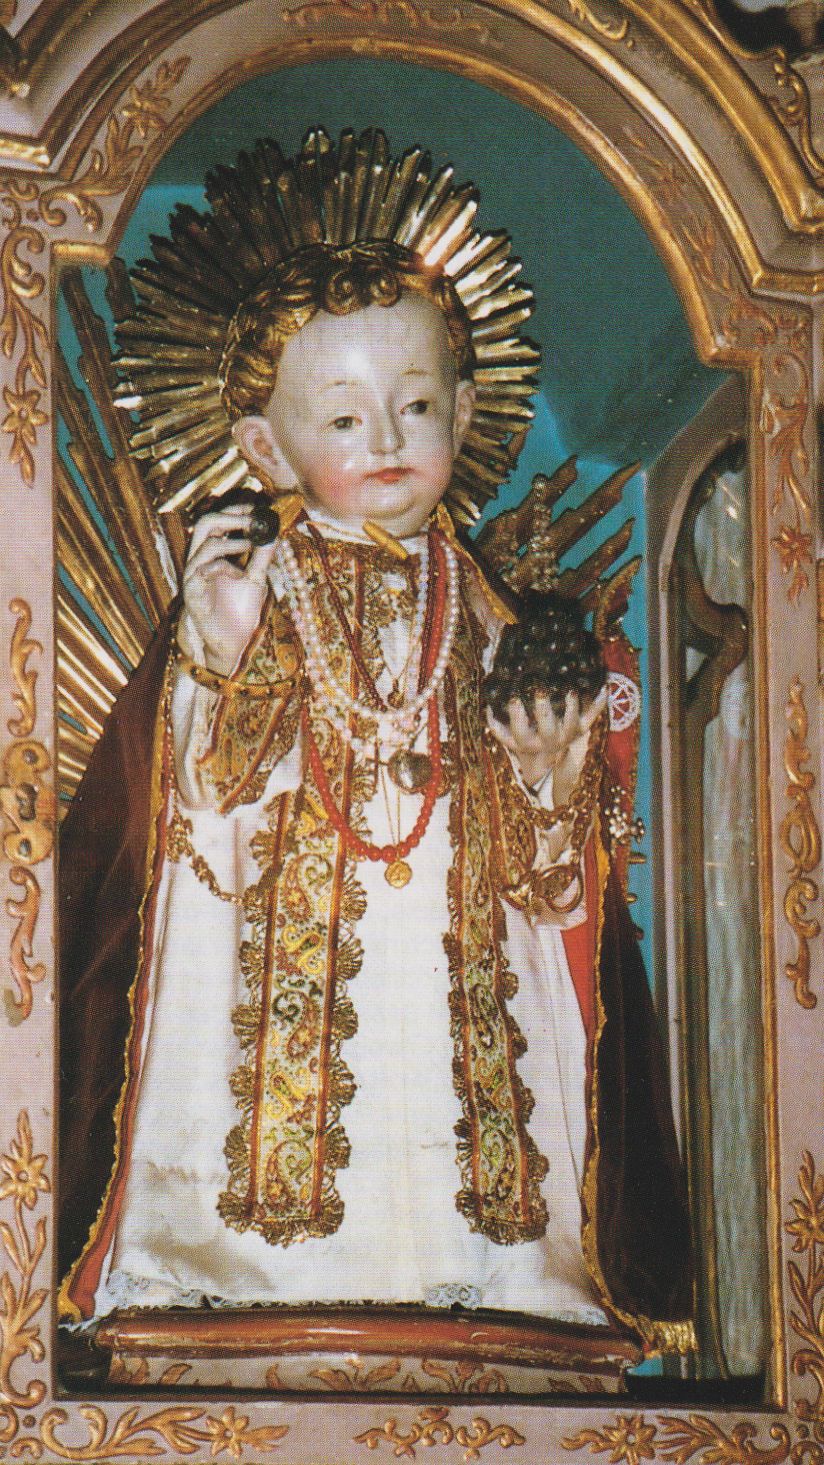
x=735 y=245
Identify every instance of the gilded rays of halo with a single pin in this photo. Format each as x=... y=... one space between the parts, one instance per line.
x=265 y=208
x=120 y=559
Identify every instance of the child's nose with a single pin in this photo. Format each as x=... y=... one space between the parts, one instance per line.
x=386 y=436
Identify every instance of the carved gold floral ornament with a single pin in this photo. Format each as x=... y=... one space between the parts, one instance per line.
x=22 y=332
x=433 y=1427
x=414 y=15
x=807 y=1230
x=800 y=839
x=28 y=806
x=631 y=1439
x=25 y=677
x=22 y=1180
x=25 y=205
x=181 y=1429
x=109 y=172
x=782 y=337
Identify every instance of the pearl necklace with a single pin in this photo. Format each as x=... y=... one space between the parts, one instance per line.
x=394 y=727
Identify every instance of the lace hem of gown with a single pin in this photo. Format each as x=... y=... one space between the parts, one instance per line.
x=122 y=1290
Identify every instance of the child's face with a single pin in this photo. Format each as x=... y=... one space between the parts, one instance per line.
x=367 y=415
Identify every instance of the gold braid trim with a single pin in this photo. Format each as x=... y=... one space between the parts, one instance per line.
x=527 y=888
x=501 y=1167
x=251 y=734
x=301 y=954
x=499 y=607
x=672 y=1337
x=223 y=686
x=513 y=821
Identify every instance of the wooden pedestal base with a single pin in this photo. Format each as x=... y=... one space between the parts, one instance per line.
x=363 y=1349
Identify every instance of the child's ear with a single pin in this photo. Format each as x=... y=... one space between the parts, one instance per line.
x=257 y=442
x=464 y=407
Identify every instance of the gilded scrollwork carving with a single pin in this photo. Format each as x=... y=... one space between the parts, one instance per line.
x=807 y=1230
x=23 y=969
x=180 y=1429
x=24 y=676
x=424 y=17
x=610 y=30
x=433 y=1426
x=783 y=338
x=631 y=1439
x=109 y=172
x=792 y=108
x=415 y=15
x=27 y=205
x=28 y=806
x=784 y=416
x=22 y=1180
x=23 y=334
x=800 y=839
x=467 y=1377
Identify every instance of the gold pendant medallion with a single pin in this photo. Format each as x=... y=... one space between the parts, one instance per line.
x=398 y=874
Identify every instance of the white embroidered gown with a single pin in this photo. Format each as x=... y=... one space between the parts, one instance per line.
x=402 y=1238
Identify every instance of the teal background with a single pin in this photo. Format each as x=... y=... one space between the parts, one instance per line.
x=619 y=376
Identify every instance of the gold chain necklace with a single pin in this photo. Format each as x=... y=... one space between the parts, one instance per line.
x=549 y=886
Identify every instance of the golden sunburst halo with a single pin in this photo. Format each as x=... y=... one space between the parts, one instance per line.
x=265 y=208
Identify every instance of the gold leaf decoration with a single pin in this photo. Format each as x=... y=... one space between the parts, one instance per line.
x=433 y=1426
x=21 y=330
x=795 y=551
x=28 y=807
x=183 y=1429
x=784 y=340
x=611 y=30
x=22 y=1181
x=417 y=17
x=783 y=418
x=109 y=172
x=466 y=1377
x=357 y=1378
x=25 y=204
x=25 y=677
x=632 y=1440
x=25 y=972
x=629 y=1439
x=807 y=1230
x=792 y=108
x=715 y=1445
x=800 y=839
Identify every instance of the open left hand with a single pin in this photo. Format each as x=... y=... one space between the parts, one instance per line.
x=545 y=742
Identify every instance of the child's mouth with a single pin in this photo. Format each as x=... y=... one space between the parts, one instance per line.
x=390 y=475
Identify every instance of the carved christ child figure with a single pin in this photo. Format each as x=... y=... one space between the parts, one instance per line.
x=389 y=1037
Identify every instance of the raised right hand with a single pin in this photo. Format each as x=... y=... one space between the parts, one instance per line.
x=223 y=600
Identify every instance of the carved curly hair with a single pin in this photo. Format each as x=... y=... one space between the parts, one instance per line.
x=340 y=280
x=549 y=651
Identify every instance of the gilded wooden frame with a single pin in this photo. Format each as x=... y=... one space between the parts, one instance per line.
x=715 y=152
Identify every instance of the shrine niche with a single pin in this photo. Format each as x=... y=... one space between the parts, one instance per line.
x=700 y=559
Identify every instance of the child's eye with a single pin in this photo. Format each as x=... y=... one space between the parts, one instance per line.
x=418 y=407
x=344 y=423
